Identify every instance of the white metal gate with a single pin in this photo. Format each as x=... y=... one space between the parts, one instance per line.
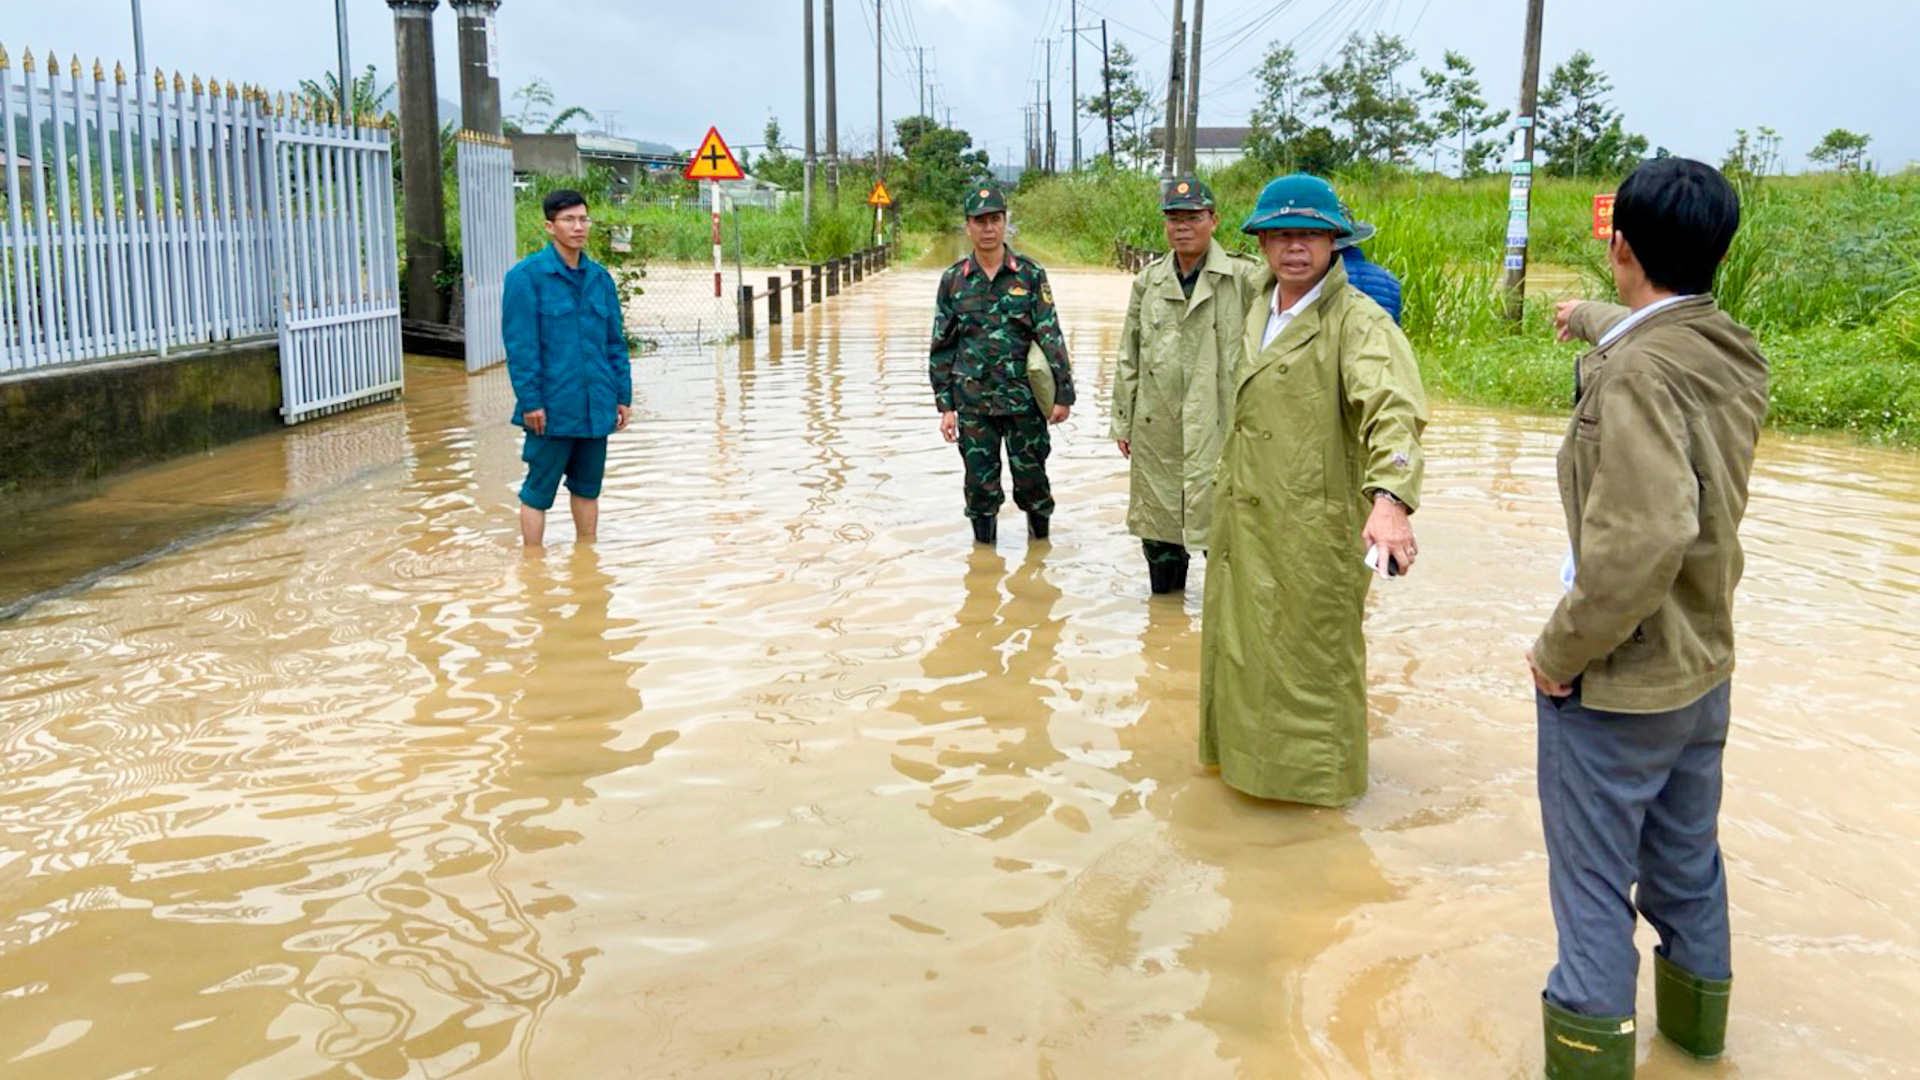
x=486 y=241
x=338 y=285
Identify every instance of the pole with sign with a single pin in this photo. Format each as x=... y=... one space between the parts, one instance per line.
x=879 y=199
x=713 y=162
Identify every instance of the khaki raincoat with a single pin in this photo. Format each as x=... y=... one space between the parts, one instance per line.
x=1173 y=388
x=1332 y=409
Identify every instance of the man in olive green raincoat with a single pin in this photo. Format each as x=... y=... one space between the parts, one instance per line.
x=1322 y=462
x=1173 y=385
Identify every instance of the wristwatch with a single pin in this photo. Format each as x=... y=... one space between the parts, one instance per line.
x=1383 y=493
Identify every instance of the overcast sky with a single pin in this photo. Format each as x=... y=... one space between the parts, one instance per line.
x=1686 y=73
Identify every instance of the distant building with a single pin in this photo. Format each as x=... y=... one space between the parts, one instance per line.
x=571 y=155
x=1213 y=147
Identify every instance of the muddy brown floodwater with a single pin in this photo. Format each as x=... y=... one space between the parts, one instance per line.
x=784 y=778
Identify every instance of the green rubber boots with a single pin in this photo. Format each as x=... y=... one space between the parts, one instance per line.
x=1692 y=1015
x=1693 y=1010
x=1587 y=1047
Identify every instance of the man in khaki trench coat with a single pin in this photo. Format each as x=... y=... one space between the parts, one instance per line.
x=1173 y=386
x=1322 y=461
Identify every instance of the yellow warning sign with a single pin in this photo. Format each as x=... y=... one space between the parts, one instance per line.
x=879 y=197
x=713 y=161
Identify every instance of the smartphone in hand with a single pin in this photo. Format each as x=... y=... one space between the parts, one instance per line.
x=1373 y=561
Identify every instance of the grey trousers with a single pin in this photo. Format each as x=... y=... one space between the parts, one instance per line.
x=1632 y=801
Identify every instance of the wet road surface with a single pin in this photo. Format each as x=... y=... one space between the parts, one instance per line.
x=784 y=778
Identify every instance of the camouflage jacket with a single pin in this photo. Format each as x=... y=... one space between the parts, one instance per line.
x=982 y=330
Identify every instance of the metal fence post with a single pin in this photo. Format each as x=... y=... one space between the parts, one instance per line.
x=833 y=276
x=857 y=265
x=773 y=301
x=746 y=311
x=818 y=272
x=799 y=291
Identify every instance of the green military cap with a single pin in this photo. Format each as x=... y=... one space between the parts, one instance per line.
x=986 y=199
x=1186 y=193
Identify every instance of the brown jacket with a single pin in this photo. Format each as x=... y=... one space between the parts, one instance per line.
x=1653 y=475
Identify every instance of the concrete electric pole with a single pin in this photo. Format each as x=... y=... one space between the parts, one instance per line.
x=1520 y=195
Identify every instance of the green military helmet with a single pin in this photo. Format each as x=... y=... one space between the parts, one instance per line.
x=985 y=199
x=1299 y=201
x=1186 y=193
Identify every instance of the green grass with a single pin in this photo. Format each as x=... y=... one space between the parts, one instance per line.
x=1826 y=270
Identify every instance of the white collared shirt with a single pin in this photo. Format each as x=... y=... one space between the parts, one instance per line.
x=1277 y=319
x=1635 y=318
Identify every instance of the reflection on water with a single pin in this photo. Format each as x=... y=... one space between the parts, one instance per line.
x=786 y=777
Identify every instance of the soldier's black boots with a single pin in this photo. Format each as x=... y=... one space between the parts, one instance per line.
x=1165 y=576
x=1166 y=566
x=1036 y=526
x=985 y=529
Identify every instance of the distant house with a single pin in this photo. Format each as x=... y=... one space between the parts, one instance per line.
x=1213 y=147
x=572 y=154
x=21 y=165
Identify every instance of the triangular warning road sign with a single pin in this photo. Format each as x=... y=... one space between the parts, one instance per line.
x=713 y=161
x=879 y=196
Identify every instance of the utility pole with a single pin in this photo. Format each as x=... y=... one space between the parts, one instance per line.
x=1073 y=44
x=879 y=84
x=806 y=204
x=1106 y=77
x=1520 y=194
x=1191 y=131
x=1169 y=133
x=1050 y=161
x=923 y=82
x=833 y=119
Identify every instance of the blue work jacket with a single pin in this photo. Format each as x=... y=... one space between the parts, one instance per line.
x=566 y=351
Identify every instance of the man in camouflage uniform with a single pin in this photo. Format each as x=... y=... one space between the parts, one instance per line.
x=993 y=306
x=1174 y=380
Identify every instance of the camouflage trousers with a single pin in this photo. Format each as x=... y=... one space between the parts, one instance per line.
x=1027 y=447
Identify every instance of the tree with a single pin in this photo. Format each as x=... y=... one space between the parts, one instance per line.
x=776 y=165
x=1461 y=113
x=937 y=165
x=1842 y=149
x=1278 y=121
x=536 y=111
x=1579 y=133
x=1131 y=108
x=367 y=99
x=1364 y=93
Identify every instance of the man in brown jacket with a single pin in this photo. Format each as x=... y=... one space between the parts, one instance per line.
x=1634 y=668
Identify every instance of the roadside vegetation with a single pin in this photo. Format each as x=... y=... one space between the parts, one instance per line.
x=1826 y=270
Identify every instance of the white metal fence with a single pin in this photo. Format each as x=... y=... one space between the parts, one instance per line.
x=486 y=241
x=339 y=285
x=142 y=218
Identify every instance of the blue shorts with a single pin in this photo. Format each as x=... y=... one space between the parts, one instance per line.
x=582 y=461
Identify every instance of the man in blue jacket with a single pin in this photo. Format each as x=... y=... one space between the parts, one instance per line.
x=567 y=357
x=1363 y=273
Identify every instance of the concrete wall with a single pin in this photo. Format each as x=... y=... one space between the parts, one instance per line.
x=550 y=155
x=66 y=426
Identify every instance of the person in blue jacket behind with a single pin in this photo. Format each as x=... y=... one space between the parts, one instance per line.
x=1369 y=277
x=567 y=357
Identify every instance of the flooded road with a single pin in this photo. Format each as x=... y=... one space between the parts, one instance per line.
x=784 y=778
